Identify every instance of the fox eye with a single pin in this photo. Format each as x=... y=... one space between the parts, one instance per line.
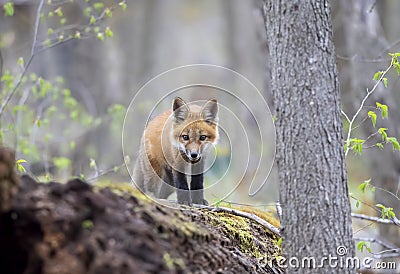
x=185 y=137
x=203 y=137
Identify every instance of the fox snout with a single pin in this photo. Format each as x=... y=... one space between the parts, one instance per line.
x=193 y=155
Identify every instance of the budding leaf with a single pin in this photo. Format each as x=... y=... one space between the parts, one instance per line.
x=382 y=132
x=92 y=20
x=379 y=145
x=384 y=110
x=109 y=32
x=9 y=9
x=385 y=82
x=377 y=75
x=123 y=6
x=372 y=115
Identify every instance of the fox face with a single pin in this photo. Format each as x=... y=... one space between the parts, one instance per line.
x=194 y=128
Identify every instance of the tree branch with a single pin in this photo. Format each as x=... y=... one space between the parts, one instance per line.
x=393 y=221
x=32 y=55
x=362 y=105
x=373 y=240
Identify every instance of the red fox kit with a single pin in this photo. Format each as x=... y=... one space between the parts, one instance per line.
x=173 y=142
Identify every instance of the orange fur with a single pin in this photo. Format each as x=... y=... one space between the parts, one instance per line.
x=173 y=141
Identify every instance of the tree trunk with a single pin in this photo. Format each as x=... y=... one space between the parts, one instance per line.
x=313 y=183
x=9 y=181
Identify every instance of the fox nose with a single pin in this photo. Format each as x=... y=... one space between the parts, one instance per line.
x=194 y=155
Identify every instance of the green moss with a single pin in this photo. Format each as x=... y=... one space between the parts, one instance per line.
x=238 y=228
x=123 y=189
x=172 y=263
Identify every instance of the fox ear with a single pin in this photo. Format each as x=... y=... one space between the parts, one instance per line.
x=209 y=111
x=180 y=109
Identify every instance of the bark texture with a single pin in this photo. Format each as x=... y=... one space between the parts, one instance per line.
x=313 y=182
x=9 y=181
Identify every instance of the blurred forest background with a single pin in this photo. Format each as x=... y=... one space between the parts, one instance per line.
x=99 y=79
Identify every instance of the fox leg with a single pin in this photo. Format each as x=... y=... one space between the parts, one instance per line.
x=137 y=175
x=166 y=188
x=181 y=184
x=196 y=184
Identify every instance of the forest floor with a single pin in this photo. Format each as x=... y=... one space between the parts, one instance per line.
x=79 y=228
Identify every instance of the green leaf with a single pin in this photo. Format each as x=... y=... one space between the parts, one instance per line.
x=279 y=242
x=379 y=145
x=362 y=187
x=59 y=12
x=397 y=65
x=87 y=11
x=109 y=32
x=123 y=5
x=21 y=61
x=92 y=20
x=384 y=110
x=72 y=145
x=372 y=115
x=100 y=36
x=357 y=148
x=98 y=6
x=386 y=212
x=19 y=166
x=62 y=162
x=108 y=12
x=92 y=163
x=385 y=82
x=357 y=204
x=394 y=142
x=377 y=75
x=382 y=132
x=395 y=145
x=9 y=9
x=361 y=245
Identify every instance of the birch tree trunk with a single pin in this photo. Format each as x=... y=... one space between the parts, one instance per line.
x=316 y=217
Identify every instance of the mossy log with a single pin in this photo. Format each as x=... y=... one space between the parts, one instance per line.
x=81 y=228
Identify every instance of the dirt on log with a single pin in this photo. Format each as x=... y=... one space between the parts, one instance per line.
x=79 y=228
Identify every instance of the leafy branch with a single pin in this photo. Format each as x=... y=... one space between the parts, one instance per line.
x=32 y=55
x=380 y=77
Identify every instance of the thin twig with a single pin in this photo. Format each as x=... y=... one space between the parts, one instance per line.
x=373 y=240
x=36 y=29
x=35 y=33
x=370 y=136
x=102 y=173
x=394 y=220
x=345 y=115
